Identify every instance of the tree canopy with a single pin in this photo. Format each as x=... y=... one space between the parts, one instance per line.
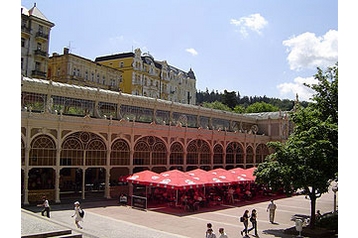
x=309 y=158
x=238 y=104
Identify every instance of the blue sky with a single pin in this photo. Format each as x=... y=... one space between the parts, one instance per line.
x=254 y=47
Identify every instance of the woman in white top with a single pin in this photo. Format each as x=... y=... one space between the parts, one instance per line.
x=77 y=216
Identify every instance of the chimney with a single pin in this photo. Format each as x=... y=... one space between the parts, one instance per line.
x=65 y=51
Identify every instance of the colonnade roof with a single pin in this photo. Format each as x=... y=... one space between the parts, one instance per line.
x=257 y=116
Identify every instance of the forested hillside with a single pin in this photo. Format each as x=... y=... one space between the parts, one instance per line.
x=232 y=101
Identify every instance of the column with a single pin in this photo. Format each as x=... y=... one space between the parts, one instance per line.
x=57 y=173
x=83 y=182
x=26 y=177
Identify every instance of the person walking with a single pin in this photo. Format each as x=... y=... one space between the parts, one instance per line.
x=210 y=233
x=222 y=233
x=208 y=226
x=272 y=208
x=77 y=215
x=253 y=220
x=46 y=207
x=245 y=220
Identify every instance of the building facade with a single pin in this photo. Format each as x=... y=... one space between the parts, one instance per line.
x=73 y=69
x=77 y=141
x=35 y=38
x=145 y=76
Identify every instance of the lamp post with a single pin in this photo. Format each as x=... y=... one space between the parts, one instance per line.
x=335 y=190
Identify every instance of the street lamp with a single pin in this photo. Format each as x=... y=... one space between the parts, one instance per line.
x=335 y=190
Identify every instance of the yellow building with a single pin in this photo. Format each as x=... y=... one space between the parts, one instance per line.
x=35 y=37
x=73 y=69
x=145 y=76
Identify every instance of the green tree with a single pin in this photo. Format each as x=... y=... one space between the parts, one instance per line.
x=309 y=158
x=261 y=107
x=229 y=99
x=217 y=105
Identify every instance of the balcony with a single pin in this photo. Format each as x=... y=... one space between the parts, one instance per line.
x=42 y=53
x=38 y=73
x=42 y=35
x=26 y=30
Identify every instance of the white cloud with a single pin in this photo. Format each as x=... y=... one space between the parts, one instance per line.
x=192 y=51
x=310 y=51
x=297 y=87
x=253 y=22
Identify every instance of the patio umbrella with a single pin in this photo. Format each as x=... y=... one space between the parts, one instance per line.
x=221 y=176
x=243 y=175
x=199 y=175
x=145 y=177
x=176 y=179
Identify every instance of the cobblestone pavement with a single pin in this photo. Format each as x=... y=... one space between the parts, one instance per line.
x=106 y=219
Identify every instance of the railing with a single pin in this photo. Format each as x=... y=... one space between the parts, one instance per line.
x=38 y=73
x=42 y=35
x=25 y=29
x=41 y=53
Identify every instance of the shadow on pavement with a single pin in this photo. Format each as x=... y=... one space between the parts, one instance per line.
x=68 y=204
x=277 y=233
x=95 y=202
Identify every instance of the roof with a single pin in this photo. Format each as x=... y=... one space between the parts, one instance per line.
x=35 y=12
x=267 y=115
x=257 y=116
x=114 y=56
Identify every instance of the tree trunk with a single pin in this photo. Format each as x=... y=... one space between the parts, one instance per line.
x=313 y=210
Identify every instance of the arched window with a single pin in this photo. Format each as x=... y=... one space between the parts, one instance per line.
x=120 y=153
x=96 y=152
x=150 y=150
x=72 y=152
x=198 y=152
x=159 y=154
x=77 y=144
x=218 y=154
x=249 y=155
x=141 y=153
x=234 y=153
x=261 y=153
x=176 y=154
x=43 y=151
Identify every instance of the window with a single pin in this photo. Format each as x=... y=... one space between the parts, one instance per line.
x=22 y=63
x=74 y=71
x=23 y=41
x=86 y=75
x=121 y=64
x=37 y=65
x=41 y=29
x=39 y=46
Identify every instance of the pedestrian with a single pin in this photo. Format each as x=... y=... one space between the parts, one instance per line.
x=46 y=207
x=210 y=233
x=208 y=226
x=245 y=219
x=253 y=220
x=272 y=208
x=77 y=215
x=222 y=233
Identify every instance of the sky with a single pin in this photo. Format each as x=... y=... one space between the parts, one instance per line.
x=256 y=48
